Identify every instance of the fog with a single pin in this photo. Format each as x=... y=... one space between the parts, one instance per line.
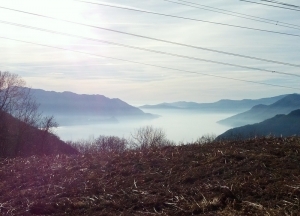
x=179 y=126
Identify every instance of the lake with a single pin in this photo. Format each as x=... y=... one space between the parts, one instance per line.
x=179 y=126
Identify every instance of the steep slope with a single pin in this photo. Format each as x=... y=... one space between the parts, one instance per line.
x=280 y=125
x=20 y=139
x=262 y=112
x=255 y=177
x=219 y=106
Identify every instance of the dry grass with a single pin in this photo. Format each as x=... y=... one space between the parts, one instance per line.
x=254 y=177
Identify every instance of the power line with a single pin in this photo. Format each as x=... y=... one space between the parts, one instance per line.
x=190 y=19
x=149 y=50
x=247 y=15
x=267 y=5
x=235 y=14
x=146 y=64
x=156 y=39
x=281 y=3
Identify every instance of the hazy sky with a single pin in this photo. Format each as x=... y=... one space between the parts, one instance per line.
x=59 y=70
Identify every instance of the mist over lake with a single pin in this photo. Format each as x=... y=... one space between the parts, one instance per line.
x=179 y=125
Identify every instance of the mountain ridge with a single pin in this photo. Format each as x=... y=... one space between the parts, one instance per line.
x=68 y=107
x=224 y=105
x=261 y=112
x=279 y=125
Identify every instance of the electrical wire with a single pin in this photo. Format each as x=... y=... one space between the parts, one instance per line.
x=156 y=39
x=146 y=64
x=247 y=15
x=281 y=3
x=149 y=50
x=235 y=14
x=186 y=18
x=267 y=5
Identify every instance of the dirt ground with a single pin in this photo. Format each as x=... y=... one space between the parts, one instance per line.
x=253 y=177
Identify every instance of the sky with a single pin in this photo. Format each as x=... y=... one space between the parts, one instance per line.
x=87 y=70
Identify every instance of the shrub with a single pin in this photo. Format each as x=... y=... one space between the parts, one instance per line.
x=205 y=139
x=100 y=144
x=148 y=137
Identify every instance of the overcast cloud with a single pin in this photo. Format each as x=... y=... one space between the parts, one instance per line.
x=59 y=70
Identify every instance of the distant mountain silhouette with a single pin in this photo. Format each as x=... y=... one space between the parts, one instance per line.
x=280 y=125
x=69 y=107
x=231 y=106
x=261 y=112
x=20 y=139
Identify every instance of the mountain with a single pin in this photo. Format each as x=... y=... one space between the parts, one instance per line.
x=261 y=112
x=69 y=108
x=280 y=125
x=20 y=139
x=219 y=106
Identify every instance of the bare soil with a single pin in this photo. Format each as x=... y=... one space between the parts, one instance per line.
x=252 y=177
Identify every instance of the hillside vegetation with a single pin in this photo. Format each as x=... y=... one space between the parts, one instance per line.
x=24 y=130
x=20 y=139
x=251 y=177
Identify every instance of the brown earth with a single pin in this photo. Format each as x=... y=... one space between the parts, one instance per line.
x=253 y=177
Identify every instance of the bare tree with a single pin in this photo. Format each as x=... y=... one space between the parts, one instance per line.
x=205 y=139
x=149 y=136
x=16 y=102
x=103 y=144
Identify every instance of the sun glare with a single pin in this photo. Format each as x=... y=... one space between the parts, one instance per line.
x=63 y=10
